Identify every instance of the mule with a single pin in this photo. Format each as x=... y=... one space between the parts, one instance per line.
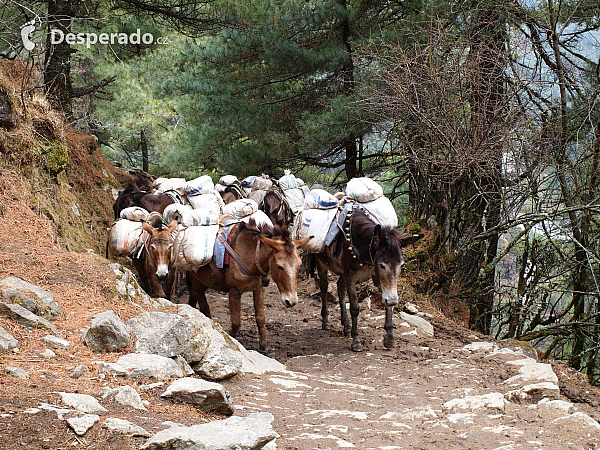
x=260 y=252
x=150 y=202
x=232 y=193
x=156 y=259
x=276 y=207
x=364 y=249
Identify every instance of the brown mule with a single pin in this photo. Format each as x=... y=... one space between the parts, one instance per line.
x=366 y=250
x=155 y=261
x=269 y=251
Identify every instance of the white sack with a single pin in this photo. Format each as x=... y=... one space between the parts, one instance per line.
x=199 y=186
x=135 y=213
x=262 y=184
x=314 y=222
x=172 y=184
x=288 y=181
x=320 y=199
x=258 y=196
x=260 y=219
x=241 y=208
x=364 y=189
x=382 y=211
x=228 y=180
x=220 y=188
x=194 y=246
x=125 y=237
x=159 y=181
x=295 y=198
x=176 y=211
x=209 y=202
x=199 y=217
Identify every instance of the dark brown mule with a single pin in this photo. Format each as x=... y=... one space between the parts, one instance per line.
x=367 y=250
x=276 y=207
x=232 y=193
x=155 y=261
x=268 y=251
x=139 y=193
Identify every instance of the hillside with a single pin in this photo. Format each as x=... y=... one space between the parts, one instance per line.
x=55 y=205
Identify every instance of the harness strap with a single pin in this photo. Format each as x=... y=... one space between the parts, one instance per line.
x=235 y=256
x=257 y=260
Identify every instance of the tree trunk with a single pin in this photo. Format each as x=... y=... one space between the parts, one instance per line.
x=57 y=75
x=144 y=147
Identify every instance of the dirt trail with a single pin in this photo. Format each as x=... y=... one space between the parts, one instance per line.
x=392 y=399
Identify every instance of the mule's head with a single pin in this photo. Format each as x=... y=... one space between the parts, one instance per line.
x=284 y=265
x=274 y=208
x=160 y=247
x=388 y=259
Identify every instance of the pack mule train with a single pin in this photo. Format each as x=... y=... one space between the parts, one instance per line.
x=255 y=253
x=364 y=249
x=139 y=192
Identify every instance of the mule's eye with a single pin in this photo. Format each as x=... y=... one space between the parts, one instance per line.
x=170 y=246
x=381 y=266
x=280 y=268
x=153 y=246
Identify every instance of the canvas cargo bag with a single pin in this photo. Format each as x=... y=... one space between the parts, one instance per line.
x=241 y=208
x=364 y=189
x=382 y=211
x=228 y=180
x=209 y=202
x=135 y=213
x=194 y=246
x=260 y=219
x=197 y=217
x=320 y=199
x=176 y=211
x=125 y=237
x=199 y=186
x=172 y=184
x=314 y=222
x=262 y=184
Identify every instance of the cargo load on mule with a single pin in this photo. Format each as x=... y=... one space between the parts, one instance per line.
x=369 y=196
x=230 y=188
x=292 y=190
x=320 y=209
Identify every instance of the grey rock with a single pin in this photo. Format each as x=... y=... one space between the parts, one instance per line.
x=82 y=402
x=25 y=317
x=10 y=295
x=205 y=395
x=56 y=342
x=160 y=333
x=533 y=393
x=79 y=371
x=533 y=373
x=150 y=366
x=127 y=286
x=410 y=308
x=113 y=369
x=7 y=341
x=235 y=433
x=46 y=306
x=47 y=354
x=108 y=333
x=125 y=396
x=81 y=425
x=493 y=402
x=120 y=426
x=60 y=412
x=106 y=392
x=184 y=366
x=149 y=387
x=16 y=372
x=418 y=322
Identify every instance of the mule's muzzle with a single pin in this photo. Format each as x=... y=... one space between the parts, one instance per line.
x=162 y=271
x=389 y=298
x=289 y=300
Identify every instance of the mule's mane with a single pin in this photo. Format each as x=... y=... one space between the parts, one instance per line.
x=277 y=232
x=365 y=227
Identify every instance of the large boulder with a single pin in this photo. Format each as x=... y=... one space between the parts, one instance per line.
x=160 y=333
x=150 y=366
x=205 y=395
x=235 y=433
x=7 y=341
x=25 y=317
x=108 y=333
x=124 y=396
x=46 y=306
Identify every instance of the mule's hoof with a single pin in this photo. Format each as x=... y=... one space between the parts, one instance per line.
x=326 y=326
x=264 y=349
x=356 y=347
x=388 y=342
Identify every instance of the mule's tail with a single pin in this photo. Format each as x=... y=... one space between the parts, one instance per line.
x=312 y=265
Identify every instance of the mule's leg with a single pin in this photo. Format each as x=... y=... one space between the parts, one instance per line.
x=172 y=277
x=198 y=296
x=388 y=340
x=202 y=302
x=323 y=285
x=341 y=286
x=158 y=289
x=351 y=288
x=259 y=314
x=235 y=311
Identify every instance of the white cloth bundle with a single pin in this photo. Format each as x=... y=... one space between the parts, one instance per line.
x=172 y=184
x=125 y=237
x=262 y=184
x=135 y=213
x=176 y=211
x=382 y=211
x=364 y=189
x=199 y=186
x=194 y=246
x=314 y=222
x=228 y=180
x=241 y=208
x=320 y=199
x=209 y=202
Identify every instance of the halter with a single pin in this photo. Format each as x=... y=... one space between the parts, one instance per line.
x=238 y=260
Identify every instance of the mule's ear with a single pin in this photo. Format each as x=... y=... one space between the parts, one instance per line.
x=407 y=240
x=172 y=226
x=149 y=228
x=277 y=245
x=302 y=242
